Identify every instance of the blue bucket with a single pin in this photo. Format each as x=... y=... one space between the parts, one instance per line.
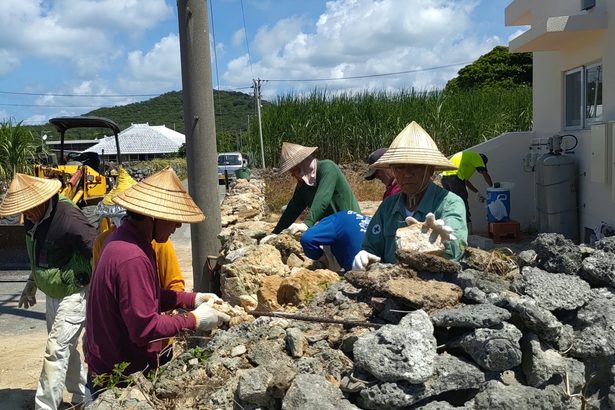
x=498 y=203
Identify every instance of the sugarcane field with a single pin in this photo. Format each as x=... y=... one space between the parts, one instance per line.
x=307 y=205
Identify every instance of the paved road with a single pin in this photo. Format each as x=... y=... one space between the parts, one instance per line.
x=14 y=320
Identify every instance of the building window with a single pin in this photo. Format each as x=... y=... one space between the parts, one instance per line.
x=583 y=96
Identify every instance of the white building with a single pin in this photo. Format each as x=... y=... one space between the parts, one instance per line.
x=572 y=42
x=141 y=142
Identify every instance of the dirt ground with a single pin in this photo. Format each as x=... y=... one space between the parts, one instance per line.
x=23 y=336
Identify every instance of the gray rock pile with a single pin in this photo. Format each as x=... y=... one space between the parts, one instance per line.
x=536 y=335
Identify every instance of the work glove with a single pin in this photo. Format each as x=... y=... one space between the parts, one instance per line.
x=205 y=297
x=363 y=259
x=297 y=228
x=207 y=317
x=268 y=238
x=481 y=198
x=437 y=227
x=28 y=295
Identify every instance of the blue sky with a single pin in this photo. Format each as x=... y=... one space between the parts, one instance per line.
x=68 y=57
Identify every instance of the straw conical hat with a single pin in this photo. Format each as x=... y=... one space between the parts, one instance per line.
x=161 y=196
x=293 y=154
x=413 y=146
x=26 y=192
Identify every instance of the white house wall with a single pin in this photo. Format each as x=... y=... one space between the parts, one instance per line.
x=596 y=199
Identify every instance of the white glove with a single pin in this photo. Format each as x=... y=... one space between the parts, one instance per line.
x=28 y=295
x=297 y=228
x=437 y=227
x=268 y=238
x=205 y=297
x=208 y=318
x=363 y=259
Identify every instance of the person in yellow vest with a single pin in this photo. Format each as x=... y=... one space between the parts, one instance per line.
x=458 y=181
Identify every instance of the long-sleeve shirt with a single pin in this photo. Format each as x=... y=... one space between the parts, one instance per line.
x=124 y=321
x=331 y=193
x=391 y=215
x=60 y=248
x=343 y=231
x=166 y=261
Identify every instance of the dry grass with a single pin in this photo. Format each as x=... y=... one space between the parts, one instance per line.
x=279 y=188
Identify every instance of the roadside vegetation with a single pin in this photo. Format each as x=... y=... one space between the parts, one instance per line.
x=347 y=127
x=18 y=150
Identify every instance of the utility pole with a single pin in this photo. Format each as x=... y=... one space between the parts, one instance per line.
x=257 y=96
x=199 y=124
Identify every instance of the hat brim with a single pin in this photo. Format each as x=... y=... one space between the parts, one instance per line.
x=150 y=200
x=414 y=156
x=29 y=196
x=294 y=160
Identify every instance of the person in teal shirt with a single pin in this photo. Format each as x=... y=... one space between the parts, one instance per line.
x=414 y=157
x=321 y=187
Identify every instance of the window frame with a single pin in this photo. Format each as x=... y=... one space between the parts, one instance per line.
x=585 y=121
x=565 y=99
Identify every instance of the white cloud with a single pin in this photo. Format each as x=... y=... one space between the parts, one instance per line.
x=238 y=38
x=362 y=37
x=75 y=105
x=128 y=16
x=81 y=33
x=158 y=70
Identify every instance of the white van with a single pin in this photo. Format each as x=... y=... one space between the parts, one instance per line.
x=230 y=162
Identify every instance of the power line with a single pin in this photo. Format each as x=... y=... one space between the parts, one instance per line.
x=369 y=75
x=50 y=106
x=79 y=95
x=245 y=35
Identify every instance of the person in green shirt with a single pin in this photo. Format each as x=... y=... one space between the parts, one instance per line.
x=321 y=187
x=458 y=180
x=414 y=157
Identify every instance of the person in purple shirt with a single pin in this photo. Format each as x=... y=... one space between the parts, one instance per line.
x=124 y=323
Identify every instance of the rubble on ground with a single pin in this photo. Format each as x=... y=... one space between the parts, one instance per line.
x=494 y=331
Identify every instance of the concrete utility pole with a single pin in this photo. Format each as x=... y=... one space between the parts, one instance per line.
x=199 y=122
x=257 y=96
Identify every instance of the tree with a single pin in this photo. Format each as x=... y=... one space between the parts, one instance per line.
x=497 y=68
x=18 y=149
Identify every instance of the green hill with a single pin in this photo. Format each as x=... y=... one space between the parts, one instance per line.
x=231 y=109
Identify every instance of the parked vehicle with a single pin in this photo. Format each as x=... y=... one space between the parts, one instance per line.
x=228 y=163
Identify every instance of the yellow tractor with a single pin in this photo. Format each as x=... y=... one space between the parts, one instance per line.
x=83 y=179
